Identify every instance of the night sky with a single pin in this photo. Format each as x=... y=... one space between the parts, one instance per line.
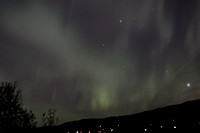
x=99 y=58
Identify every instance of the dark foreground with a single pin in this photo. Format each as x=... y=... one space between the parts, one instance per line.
x=172 y=119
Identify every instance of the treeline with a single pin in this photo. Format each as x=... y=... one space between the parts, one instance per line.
x=12 y=113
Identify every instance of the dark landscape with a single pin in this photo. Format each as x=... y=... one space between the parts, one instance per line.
x=171 y=119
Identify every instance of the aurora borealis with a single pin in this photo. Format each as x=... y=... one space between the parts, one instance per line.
x=90 y=58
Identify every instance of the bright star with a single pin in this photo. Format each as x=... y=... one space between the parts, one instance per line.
x=188 y=84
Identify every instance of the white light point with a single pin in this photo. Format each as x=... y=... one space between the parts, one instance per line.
x=120 y=21
x=145 y=130
x=174 y=127
x=188 y=84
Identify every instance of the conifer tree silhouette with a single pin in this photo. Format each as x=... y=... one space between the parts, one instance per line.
x=49 y=118
x=12 y=113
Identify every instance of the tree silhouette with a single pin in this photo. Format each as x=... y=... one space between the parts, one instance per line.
x=49 y=118
x=12 y=114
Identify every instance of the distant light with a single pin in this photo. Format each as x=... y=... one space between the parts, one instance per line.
x=174 y=127
x=89 y=132
x=99 y=125
x=103 y=44
x=76 y=131
x=188 y=84
x=118 y=125
x=120 y=20
x=111 y=130
x=161 y=126
x=145 y=130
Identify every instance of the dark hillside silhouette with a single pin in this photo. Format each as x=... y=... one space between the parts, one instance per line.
x=176 y=118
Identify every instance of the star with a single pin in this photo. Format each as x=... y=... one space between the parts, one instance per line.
x=188 y=84
x=120 y=21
